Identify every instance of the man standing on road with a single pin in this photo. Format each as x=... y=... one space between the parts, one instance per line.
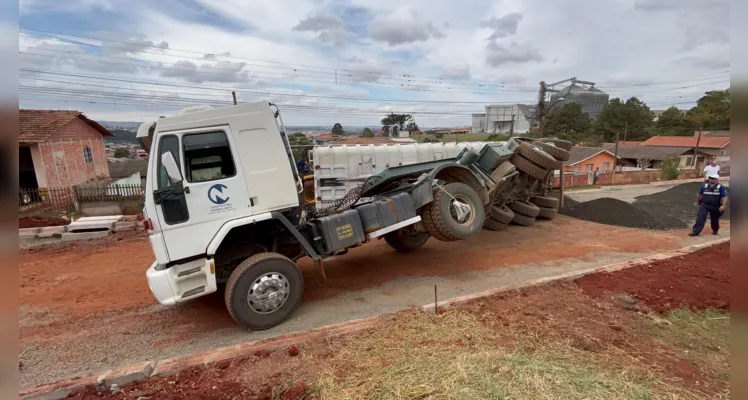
x=711 y=200
x=595 y=175
x=711 y=168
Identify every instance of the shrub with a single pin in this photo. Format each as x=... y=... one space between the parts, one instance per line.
x=670 y=167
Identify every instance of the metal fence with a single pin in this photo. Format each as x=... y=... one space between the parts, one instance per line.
x=46 y=199
x=95 y=192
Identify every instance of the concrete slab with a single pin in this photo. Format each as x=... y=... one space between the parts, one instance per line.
x=73 y=236
x=28 y=232
x=114 y=218
x=125 y=226
x=51 y=231
x=129 y=374
x=84 y=226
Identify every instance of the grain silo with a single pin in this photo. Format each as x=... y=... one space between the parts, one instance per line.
x=588 y=96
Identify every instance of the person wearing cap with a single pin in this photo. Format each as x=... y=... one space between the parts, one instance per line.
x=711 y=200
x=711 y=168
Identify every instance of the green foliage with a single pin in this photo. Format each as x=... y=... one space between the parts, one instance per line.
x=712 y=111
x=411 y=126
x=616 y=115
x=299 y=139
x=122 y=153
x=430 y=140
x=495 y=137
x=673 y=122
x=337 y=129
x=395 y=120
x=439 y=135
x=568 y=123
x=669 y=167
x=367 y=133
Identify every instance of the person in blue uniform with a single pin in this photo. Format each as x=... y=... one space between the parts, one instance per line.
x=711 y=200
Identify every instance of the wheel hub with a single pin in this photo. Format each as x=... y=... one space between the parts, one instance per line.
x=268 y=293
x=461 y=210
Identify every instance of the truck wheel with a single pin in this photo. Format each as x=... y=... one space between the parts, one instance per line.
x=405 y=243
x=308 y=192
x=492 y=225
x=555 y=152
x=545 y=201
x=562 y=144
x=528 y=167
x=263 y=291
x=524 y=208
x=538 y=156
x=547 y=213
x=524 y=220
x=502 y=214
x=455 y=213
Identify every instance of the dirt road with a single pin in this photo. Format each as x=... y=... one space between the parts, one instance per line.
x=87 y=307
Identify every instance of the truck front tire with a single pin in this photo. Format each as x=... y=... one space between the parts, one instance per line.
x=406 y=243
x=263 y=291
x=455 y=213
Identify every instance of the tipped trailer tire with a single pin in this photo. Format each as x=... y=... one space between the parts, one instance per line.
x=553 y=150
x=528 y=167
x=263 y=291
x=501 y=214
x=405 y=243
x=524 y=208
x=493 y=225
x=456 y=213
x=538 y=156
x=547 y=213
x=545 y=201
x=523 y=220
x=563 y=144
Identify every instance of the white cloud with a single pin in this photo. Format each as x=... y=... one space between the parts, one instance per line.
x=401 y=26
x=504 y=26
x=457 y=71
x=498 y=54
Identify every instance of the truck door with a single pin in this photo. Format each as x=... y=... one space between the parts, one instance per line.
x=212 y=190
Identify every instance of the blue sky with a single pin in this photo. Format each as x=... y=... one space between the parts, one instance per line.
x=343 y=61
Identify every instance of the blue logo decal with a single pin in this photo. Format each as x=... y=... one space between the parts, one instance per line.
x=214 y=194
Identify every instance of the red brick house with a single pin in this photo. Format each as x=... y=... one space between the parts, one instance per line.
x=59 y=149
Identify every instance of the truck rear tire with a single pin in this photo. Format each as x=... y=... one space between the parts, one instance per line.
x=545 y=201
x=528 y=167
x=538 y=156
x=555 y=152
x=493 y=225
x=502 y=214
x=547 y=213
x=263 y=291
x=524 y=208
x=404 y=243
x=563 y=144
x=455 y=213
x=524 y=220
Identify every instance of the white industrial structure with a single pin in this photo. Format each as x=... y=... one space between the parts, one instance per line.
x=515 y=118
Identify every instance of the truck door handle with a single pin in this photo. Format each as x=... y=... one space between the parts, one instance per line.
x=187 y=189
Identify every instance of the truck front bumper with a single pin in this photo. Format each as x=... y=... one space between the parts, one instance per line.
x=181 y=282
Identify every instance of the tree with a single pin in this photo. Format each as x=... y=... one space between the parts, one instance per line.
x=411 y=127
x=712 y=111
x=386 y=130
x=367 y=133
x=337 y=129
x=632 y=119
x=568 y=122
x=297 y=140
x=673 y=122
x=122 y=153
x=393 y=119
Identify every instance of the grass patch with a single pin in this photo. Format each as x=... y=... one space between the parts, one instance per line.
x=455 y=356
x=702 y=338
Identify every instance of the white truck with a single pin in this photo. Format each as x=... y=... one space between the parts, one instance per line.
x=223 y=207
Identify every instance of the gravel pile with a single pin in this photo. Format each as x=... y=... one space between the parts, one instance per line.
x=616 y=212
x=676 y=202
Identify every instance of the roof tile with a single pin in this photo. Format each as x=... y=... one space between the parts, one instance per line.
x=687 y=141
x=36 y=126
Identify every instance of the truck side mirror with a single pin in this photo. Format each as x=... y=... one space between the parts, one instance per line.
x=170 y=164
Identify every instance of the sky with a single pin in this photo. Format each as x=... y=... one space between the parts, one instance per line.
x=328 y=61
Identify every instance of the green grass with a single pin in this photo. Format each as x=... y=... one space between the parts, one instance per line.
x=455 y=356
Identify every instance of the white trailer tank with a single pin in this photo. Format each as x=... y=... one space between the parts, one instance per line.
x=338 y=169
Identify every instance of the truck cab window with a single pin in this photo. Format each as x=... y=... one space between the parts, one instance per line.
x=207 y=157
x=169 y=143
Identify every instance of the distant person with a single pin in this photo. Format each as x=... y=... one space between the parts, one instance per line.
x=711 y=168
x=711 y=200
x=302 y=166
x=595 y=175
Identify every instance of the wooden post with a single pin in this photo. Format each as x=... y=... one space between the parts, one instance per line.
x=696 y=150
x=615 y=155
x=561 y=196
x=233 y=94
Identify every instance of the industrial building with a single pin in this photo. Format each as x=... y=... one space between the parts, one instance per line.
x=505 y=118
x=584 y=93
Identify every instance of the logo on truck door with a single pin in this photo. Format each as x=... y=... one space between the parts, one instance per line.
x=215 y=194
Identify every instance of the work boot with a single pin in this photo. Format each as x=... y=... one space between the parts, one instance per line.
x=715 y=233
x=693 y=234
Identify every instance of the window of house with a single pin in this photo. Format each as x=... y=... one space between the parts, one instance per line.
x=689 y=161
x=87 y=155
x=589 y=167
x=723 y=152
x=577 y=168
x=606 y=166
x=207 y=157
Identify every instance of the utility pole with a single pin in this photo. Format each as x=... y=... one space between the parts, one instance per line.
x=696 y=149
x=615 y=154
x=233 y=94
x=541 y=106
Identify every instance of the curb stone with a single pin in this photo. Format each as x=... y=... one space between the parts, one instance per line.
x=167 y=367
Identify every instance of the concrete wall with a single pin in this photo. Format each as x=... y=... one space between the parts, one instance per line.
x=61 y=160
x=622 y=178
x=499 y=119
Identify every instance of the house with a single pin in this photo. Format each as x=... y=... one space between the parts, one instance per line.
x=126 y=171
x=322 y=139
x=653 y=155
x=716 y=147
x=460 y=130
x=517 y=118
x=59 y=149
x=587 y=159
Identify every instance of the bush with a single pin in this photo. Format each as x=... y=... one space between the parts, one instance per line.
x=670 y=168
x=439 y=135
x=430 y=140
